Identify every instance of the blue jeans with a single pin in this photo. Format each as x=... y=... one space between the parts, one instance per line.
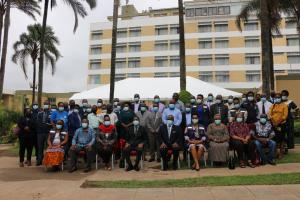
x=272 y=147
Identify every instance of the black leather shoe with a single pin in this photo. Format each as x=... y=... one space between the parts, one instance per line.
x=136 y=168
x=272 y=162
x=129 y=168
x=158 y=160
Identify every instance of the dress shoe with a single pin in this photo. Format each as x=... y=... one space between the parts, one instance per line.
x=136 y=168
x=129 y=168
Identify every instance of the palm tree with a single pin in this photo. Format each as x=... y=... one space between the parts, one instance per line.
x=78 y=10
x=29 y=7
x=113 y=49
x=28 y=46
x=182 y=46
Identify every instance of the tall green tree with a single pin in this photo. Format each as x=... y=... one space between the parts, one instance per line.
x=28 y=46
x=182 y=46
x=29 y=7
x=78 y=10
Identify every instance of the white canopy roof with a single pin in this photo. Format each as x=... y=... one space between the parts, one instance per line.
x=147 y=88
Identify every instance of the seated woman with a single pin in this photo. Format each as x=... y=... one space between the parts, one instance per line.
x=218 y=136
x=196 y=140
x=57 y=141
x=241 y=140
x=106 y=140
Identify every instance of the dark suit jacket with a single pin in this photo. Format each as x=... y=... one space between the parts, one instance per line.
x=73 y=123
x=138 y=138
x=43 y=122
x=175 y=137
x=205 y=118
x=214 y=109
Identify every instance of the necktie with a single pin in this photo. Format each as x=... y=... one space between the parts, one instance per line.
x=170 y=128
x=263 y=108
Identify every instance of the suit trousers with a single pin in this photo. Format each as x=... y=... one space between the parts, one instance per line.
x=154 y=145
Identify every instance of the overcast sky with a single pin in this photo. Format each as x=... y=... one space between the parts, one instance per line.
x=71 y=71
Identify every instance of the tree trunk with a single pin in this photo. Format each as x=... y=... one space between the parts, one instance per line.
x=41 y=58
x=182 y=46
x=265 y=47
x=1 y=27
x=113 y=50
x=33 y=81
x=4 y=47
x=272 y=74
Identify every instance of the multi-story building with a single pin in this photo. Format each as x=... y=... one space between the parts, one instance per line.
x=216 y=50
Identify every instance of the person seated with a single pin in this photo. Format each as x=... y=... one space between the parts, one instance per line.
x=170 y=137
x=218 y=136
x=241 y=141
x=83 y=140
x=106 y=140
x=196 y=140
x=57 y=141
x=263 y=136
x=135 y=141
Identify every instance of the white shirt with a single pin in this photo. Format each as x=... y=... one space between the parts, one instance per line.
x=56 y=139
x=113 y=118
x=260 y=106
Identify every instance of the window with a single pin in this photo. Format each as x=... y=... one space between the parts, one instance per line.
x=121 y=48
x=174 y=61
x=204 y=28
x=161 y=45
x=206 y=76
x=190 y=12
x=221 y=26
x=134 y=62
x=96 y=35
x=251 y=26
x=135 y=32
x=205 y=60
x=174 y=74
x=201 y=12
x=52 y=100
x=290 y=23
x=95 y=50
x=222 y=59
x=252 y=42
x=95 y=64
x=292 y=40
x=161 y=61
x=221 y=43
x=120 y=63
x=205 y=44
x=252 y=59
x=293 y=58
x=122 y=33
x=212 y=11
x=94 y=79
x=174 y=29
x=135 y=47
x=160 y=74
x=161 y=30
x=224 y=10
x=133 y=75
x=222 y=76
x=174 y=44
x=120 y=77
x=253 y=76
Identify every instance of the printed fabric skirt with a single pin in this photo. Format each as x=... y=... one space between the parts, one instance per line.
x=53 y=157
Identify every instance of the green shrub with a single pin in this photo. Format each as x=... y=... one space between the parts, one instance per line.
x=8 y=120
x=185 y=96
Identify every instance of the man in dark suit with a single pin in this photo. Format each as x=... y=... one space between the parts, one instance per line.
x=135 y=141
x=220 y=108
x=135 y=106
x=170 y=139
x=74 y=123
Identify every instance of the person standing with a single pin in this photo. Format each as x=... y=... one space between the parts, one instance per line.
x=74 y=123
x=34 y=115
x=135 y=106
x=161 y=106
x=178 y=104
x=210 y=100
x=60 y=114
x=94 y=120
x=203 y=111
x=263 y=106
x=219 y=108
x=172 y=110
x=229 y=103
x=99 y=107
x=252 y=110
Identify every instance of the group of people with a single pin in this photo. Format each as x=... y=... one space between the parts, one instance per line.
x=211 y=124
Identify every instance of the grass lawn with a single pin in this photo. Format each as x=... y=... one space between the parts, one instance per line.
x=270 y=179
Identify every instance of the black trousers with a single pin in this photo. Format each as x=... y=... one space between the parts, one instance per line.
x=164 y=155
x=26 y=144
x=74 y=155
x=128 y=150
x=41 y=143
x=244 y=149
x=105 y=153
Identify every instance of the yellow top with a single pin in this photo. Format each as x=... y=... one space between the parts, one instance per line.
x=278 y=114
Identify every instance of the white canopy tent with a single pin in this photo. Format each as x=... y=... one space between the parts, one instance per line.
x=147 y=88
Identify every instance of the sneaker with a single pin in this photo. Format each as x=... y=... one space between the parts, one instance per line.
x=73 y=169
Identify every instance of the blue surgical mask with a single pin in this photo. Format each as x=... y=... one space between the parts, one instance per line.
x=136 y=99
x=250 y=98
x=263 y=99
x=76 y=110
x=239 y=119
x=263 y=120
x=244 y=99
x=284 y=98
x=53 y=110
x=230 y=100
x=187 y=110
x=61 y=109
x=192 y=100
x=99 y=104
x=84 y=125
x=58 y=126
x=46 y=107
x=88 y=110
x=237 y=106
x=218 y=101
x=136 y=122
x=217 y=121
x=143 y=109
x=84 y=104
x=199 y=101
x=107 y=123
x=156 y=100
x=172 y=106
x=126 y=108
x=210 y=98
x=35 y=107
x=155 y=109
x=170 y=122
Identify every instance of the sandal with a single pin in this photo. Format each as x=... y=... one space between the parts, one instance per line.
x=242 y=165
x=250 y=164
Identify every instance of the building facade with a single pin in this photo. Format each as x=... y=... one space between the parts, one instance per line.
x=216 y=50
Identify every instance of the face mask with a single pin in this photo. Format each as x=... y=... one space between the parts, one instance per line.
x=155 y=109
x=263 y=120
x=187 y=110
x=230 y=101
x=84 y=125
x=239 y=120
x=53 y=110
x=244 y=99
x=136 y=99
x=284 y=98
x=58 y=126
x=278 y=100
x=237 y=106
x=88 y=110
x=106 y=123
x=143 y=109
x=217 y=121
x=116 y=103
x=263 y=99
x=84 y=104
x=218 y=101
x=199 y=101
x=170 y=122
x=46 y=107
x=126 y=108
x=118 y=107
x=35 y=107
x=172 y=106
x=61 y=109
x=136 y=122
x=156 y=100
x=195 y=121
x=99 y=104
x=76 y=110
x=210 y=98
x=192 y=101
x=250 y=98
